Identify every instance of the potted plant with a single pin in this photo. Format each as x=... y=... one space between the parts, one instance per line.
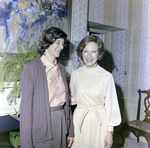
x=11 y=67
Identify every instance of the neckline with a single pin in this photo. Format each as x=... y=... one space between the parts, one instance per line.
x=91 y=70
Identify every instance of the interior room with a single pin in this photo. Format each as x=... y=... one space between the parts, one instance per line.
x=123 y=27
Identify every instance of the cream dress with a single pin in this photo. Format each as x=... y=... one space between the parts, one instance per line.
x=97 y=111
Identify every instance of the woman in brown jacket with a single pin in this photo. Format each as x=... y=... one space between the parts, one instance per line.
x=45 y=115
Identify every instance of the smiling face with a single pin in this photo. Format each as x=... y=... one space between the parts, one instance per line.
x=90 y=55
x=55 y=49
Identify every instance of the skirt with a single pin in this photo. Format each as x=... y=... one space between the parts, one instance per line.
x=58 y=125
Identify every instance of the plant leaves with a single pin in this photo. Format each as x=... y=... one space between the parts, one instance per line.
x=11 y=67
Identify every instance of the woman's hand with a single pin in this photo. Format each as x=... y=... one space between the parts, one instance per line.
x=70 y=140
x=108 y=141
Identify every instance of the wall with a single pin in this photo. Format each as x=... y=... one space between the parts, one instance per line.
x=78 y=30
x=138 y=67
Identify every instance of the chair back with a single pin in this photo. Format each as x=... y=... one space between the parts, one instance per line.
x=146 y=105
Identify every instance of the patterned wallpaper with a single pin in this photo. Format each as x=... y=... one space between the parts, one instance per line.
x=145 y=49
x=78 y=30
x=137 y=64
x=119 y=54
x=96 y=11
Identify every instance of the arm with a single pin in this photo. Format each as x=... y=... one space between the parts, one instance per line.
x=70 y=138
x=26 y=109
x=72 y=102
x=108 y=141
x=113 y=117
x=68 y=111
x=70 y=141
x=72 y=90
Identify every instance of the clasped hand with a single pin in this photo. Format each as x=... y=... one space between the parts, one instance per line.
x=70 y=140
x=108 y=141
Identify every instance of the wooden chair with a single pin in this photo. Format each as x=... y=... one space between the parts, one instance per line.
x=139 y=127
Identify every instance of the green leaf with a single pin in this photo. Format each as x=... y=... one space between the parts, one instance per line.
x=15 y=139
x=6 y=144
x=11 y=67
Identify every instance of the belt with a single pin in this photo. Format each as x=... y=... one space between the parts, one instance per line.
x=57 y=108
x=95 y=110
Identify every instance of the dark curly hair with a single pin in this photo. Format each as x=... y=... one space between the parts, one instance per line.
x=88 y=39
x=48 y=37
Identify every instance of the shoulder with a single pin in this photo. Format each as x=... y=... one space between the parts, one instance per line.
x=80 y=69
x=102 y=70
x=107 y=74
x=61 y=66
x=33 y=65
x=75 y=74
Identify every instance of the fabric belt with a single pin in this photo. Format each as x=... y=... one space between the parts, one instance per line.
x=57 y=108
x=94 y=109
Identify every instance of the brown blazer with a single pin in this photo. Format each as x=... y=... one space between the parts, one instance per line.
x=35 y=125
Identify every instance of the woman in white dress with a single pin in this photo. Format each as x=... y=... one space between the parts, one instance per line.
x=93 y=90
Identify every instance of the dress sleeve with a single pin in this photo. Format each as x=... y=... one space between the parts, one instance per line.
x=72 y=90
x=113 y=117
x=26 y=109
